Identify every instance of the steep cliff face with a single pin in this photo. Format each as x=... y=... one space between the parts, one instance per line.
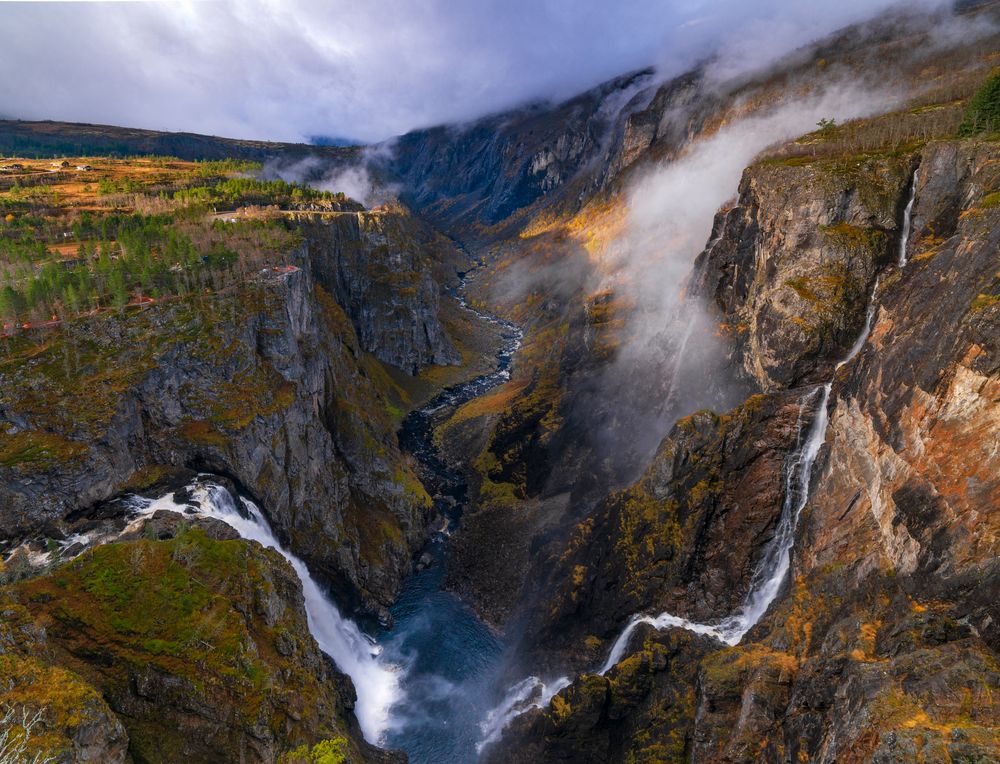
x=380 y=266
x=883 y=647
x=204 y=655
x=477 y=176
x=798 y=258
x=267 y=384
x=914 y=430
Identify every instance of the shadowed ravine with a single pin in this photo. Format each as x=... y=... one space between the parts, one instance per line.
x=448 y=653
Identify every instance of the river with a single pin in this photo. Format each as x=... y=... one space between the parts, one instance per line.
x=450 y=656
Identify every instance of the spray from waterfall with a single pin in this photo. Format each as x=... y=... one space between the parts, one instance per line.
x=668 y=192
x=377 y=685
x=531 y=692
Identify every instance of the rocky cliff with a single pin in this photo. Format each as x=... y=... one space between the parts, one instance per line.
x=883 y=646
x=267 y=384
x=386 y=269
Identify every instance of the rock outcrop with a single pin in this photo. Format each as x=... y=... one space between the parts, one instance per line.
x=797 y=258
x=186 y=649
x=687 y=537
x=380 y=266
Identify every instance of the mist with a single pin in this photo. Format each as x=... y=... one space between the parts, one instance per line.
x=367 y=71
x=356 y=175
x=672 y=359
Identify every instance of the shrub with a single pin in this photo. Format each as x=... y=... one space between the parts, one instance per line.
x=324 y=752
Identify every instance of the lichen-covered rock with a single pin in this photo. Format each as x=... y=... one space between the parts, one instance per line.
x=688 y=535
x=792 y=265
x=642 y=711
x=72 y=721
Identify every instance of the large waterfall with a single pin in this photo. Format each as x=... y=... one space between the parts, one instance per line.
x=377 y=684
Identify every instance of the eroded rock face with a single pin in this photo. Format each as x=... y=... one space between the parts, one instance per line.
x=378 y=265
x=912 y=474
x=267 y=385
x=638 y=712
x=796 y=259
x=686 y=538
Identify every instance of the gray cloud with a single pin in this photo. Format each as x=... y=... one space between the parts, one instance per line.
x=367 y=69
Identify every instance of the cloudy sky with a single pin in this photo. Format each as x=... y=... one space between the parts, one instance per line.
x=364 y=69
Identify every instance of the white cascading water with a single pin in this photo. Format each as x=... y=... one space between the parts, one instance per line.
x=377 y=685
x=771 y=572
x=528 y=693
x=907 y=213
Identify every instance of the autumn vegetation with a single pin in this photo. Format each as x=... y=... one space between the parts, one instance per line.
x=133 y=231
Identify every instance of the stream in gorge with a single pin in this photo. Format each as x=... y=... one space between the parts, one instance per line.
x=449 y=657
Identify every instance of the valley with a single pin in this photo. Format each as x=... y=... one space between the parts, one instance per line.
x=658 y=424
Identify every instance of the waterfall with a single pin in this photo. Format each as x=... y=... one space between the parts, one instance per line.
x=907 y=215
x=529 y=693
x=377 y=685
x=770 y=574
x=662 y=621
